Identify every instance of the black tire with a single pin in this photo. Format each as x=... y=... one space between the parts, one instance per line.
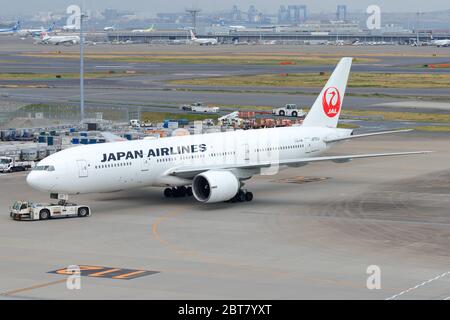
x=282 y=113
x=241 y=196
x=249 y=196
x=44 y=214
x=168 y=193
x=180 y=192
x=83 y=212
x=294 y=114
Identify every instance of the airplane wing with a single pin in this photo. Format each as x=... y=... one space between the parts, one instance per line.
x=187 y=172
x=111 y=137
x=366 y=135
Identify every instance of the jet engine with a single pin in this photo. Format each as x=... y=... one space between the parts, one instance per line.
x=215 y=186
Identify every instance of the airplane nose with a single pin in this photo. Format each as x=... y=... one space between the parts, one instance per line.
x=32 y=180
x=37 y=181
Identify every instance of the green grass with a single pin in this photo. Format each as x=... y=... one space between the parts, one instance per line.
x=202 y=58
x=433 y=128
x=357 y=79
x=348 y=126
x=49 y=76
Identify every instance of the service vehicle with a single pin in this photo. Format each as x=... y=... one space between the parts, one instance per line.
x=135 y=123
x=8 y=164
x=200 y=107
x=289 y=110
x=24 y=210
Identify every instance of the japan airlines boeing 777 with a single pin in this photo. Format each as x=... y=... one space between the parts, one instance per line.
x=212 y=167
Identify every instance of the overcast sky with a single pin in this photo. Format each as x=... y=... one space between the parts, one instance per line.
x=153 y=6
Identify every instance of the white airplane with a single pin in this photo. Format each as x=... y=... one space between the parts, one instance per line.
x=151 y=29
x=237 y=28
x=35 y=32
x=203 y=41
x=109 y=29
x=211 y=167
x=11 y=31
x=441 y=43
x=57 y=40
x=72 y=27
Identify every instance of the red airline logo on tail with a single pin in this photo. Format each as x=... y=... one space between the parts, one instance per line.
x=331 y=102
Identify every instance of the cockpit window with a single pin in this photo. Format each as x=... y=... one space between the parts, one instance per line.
x=44 y=168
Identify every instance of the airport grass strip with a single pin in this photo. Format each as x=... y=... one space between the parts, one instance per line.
x=356 y=80
x=203 y=58
x=433 y=128
x=51 y=76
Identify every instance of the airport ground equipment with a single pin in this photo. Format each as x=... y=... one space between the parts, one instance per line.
x=23 y=210
x=200 y=107
x=289 y=110
x=8 y=164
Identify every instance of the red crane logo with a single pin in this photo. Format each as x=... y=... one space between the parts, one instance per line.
x=331 y=102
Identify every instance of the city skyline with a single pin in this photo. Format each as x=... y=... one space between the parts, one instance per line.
x=265 y=6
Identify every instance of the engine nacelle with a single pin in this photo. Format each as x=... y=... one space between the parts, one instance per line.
x=215 y=186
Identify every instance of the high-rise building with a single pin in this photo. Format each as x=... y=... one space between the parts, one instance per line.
x=341 y=13
x=292 y=14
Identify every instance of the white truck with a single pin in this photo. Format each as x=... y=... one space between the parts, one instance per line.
x=8 y=164
x=199 y=107
x=289 y=110
x=23 y=210
x=135 y=123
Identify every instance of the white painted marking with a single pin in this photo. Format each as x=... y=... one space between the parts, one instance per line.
x=419 y=285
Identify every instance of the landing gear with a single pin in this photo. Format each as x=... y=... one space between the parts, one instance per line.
x=242 y=196
x=179 y=192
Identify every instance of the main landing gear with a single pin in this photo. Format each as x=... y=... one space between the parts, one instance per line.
x=178 y=192
x=242 y=196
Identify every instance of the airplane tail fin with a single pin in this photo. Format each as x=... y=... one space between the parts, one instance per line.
x=52 y=27
x=193 y=37
x=327 y=107
x=17 y=26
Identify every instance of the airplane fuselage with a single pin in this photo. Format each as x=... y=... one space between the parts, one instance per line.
x=132 y=164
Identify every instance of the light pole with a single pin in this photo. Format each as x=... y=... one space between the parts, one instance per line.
x=82 y=17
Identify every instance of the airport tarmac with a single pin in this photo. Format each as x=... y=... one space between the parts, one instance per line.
x=312 y=240
x=151 y=89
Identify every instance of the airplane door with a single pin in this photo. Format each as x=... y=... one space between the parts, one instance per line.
x=145 y=164
x=246 y=152
x=82 y=168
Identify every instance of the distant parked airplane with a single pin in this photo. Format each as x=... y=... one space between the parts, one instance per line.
x=441 y=43
x=203 y=41
x=57 y=40
x=12 y=30
x=151 y=29
x=35 y=32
